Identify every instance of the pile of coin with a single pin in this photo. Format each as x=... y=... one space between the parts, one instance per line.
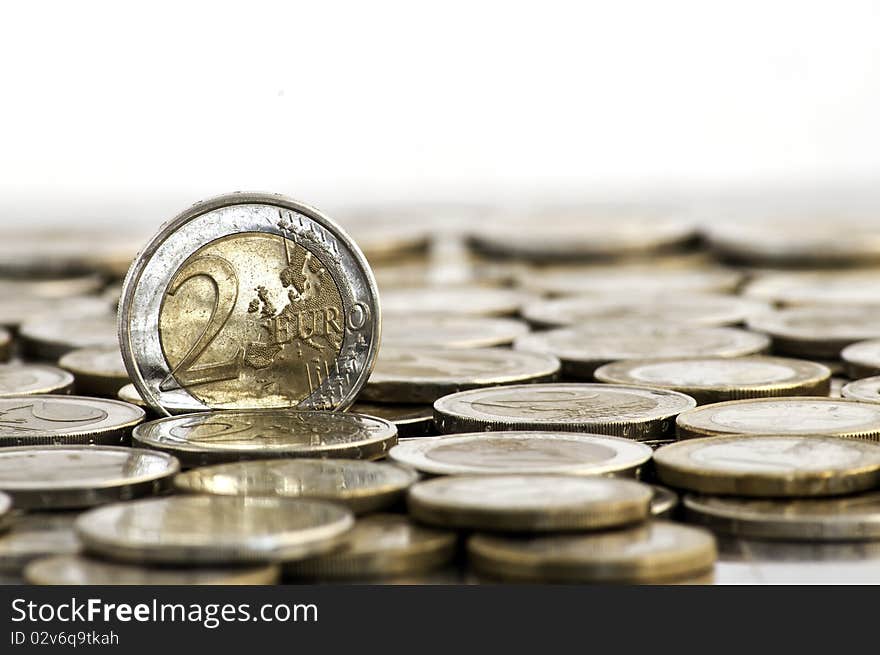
x=575 y=395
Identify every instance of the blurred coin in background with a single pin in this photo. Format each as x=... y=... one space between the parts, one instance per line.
x=14 y=310
x=793 y=415
x=5 y=344
x=99 y=371
x=33 y=535
x=715 y=379
x=664 y=502
x=866 y=390
x=410 y=420
x=26 y=379
x=585 y=348
x=862 y=359
x=454 y=301
x=50 y=339
x=632 y=412
x=450 y=331
x=817 y=288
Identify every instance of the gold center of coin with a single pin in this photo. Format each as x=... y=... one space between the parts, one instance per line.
x=250 y=320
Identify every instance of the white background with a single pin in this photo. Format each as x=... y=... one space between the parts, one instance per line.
x=113 y=111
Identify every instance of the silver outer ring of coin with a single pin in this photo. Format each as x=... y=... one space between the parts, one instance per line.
x=113 y=434
x=734 y=516
x=61 y=569
x=428 y=505
x=63 y=383
x=34 y=494
x=866 y=390
x=814 y=378
x=388 y=387
x=650 y=428
x=190 y=455
x=675 y=467
x=96 y=535
x=862 y=359
x=361 y=501
x=203 y=223
x=629 y=455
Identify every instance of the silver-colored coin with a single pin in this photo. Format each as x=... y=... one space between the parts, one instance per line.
x=818 y=331
x=584 y=349
x=848 y=518
x=49 y=340
x=716 y=379
x=622 y=281
x=460 y=301
x=694 y=310
x=770 y=466
x=422 y=375
x=862 y=359
x=529 y=503
x=99 y=371
x=632 y=412
x=130 y=394
x=15 y=310
x=361 y=486
x=794 y=415
x=65 y=289
x=656 y=551
x=79 y=570
x=34 y=535
x=817 y=288
x=27 y=379
x=62 y=477
x=381 y=546
x=522 y=453
x=65 y=420
x=450 y=331
x=213 y=529
x=664 y=502
x=287 y=335
x=866 y=390
x=410 y=420
x=233 y=435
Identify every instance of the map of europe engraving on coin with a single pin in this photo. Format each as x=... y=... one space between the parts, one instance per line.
x=249 y=300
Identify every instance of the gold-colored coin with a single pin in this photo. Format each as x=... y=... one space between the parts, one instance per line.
x=414 y=331
x=99 y=371
x=862 y=359
x=716 y=379
x=529 y=503
x=361 y=486
x=848 y=518
x=233 y=435
x=410 y=420
x=27 y=379
x=654 y=552
x=34 y=535
x=866 y=390
x=50 y=339
x=249 y=301
x=380 y=546
x=770 y=466
x=422 y=375
x=794 y=415
x=80 y=570
x=818 y=331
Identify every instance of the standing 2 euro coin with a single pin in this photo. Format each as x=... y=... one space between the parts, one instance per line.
x=249 y=300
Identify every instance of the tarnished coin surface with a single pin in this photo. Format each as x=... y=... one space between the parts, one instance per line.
x=522 y=453
x=657 y=551
x=65 y=420
x=818 y=331
x=862 y=359
x=422 y=375
x=249 y=300
x=848 y=518
x=61 y=477
x=770 y=465
x=213 y=529
x=410 y=420
x=232 y=435
x=28 y=379
x=620 y=281
x=49 y=338
x=584 y=349
x=817 y=288
x=528 y=503
x=866 y=390
x=664 y=502
x=99 y=371
x=795 y=415
x=457 y=301
x=33 y=535
x=716 y=379
x=15 y=309
x=380 y=546
x=80 y=570
x=361 y=486
x=401 y=330
x=695 y=310
x=632 y=412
